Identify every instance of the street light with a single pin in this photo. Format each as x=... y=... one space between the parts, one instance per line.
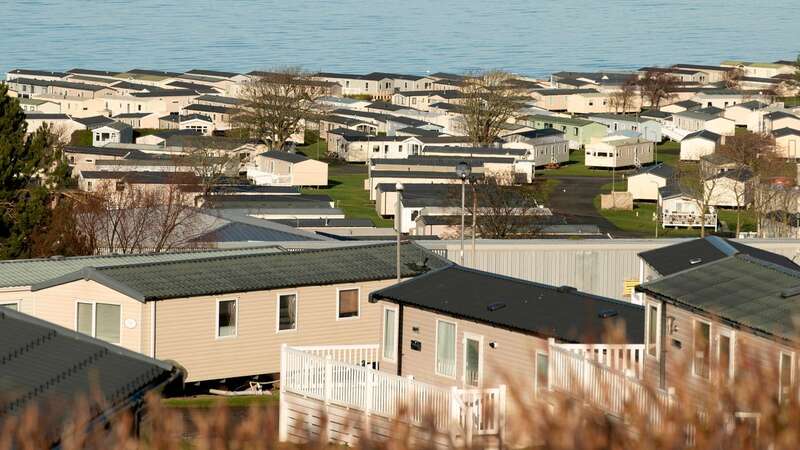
x=463 y=170
x=399 y=222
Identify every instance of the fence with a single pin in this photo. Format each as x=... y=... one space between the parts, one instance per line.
x=576 y=375
x=626 y=358
x=352 y=382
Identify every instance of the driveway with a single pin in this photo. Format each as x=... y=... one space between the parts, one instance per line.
x=574 y=199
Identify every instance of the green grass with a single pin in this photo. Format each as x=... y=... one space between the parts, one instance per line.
x=210 y=401
x=667 y=152
x=82 y=138
x=640 y=219
x=790 y=102
x=345 y=185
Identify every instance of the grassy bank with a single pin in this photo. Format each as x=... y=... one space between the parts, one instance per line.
x=211 y=401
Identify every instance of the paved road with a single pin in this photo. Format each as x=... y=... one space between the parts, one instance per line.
x=574 y=199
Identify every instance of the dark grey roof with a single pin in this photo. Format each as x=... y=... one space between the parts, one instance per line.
x=212 y=73
x=127 y=85
x=786 y=131
x=245 y=232
x=45 y=116
x=534 y=134
x=445 y=93
x=703 y=67
x=166 y=93
x=254 y=189
x=688 y=104
x=198 y=88
x=669 y=70
x=619 y=117
x=144 y=177
x=445 y=139
x=92 y=72
x=703 y=134
x=48 y=367
x=323 y=223
x=415 y=131
x=444 y=161
x=385 y=106
x=711 y=110
x=268 y=201
x=775 y=115
x=208 y=108
x=25 y=272
x=223 y=275
x=219 y=99
x=414 y=174
x=477 y=151
x=661 y=170
x=44 y=73
x=655 y=113
x=94 y=121
x=696 y=252
x=743 y=174
x=131 y=115
x=549 y=92
x=350 y=135
x=696 y=115
x=341 y=120
x=188 y=117
x=523 y=306
x=159 y=73
x=285 y=156
x=119 y=126
x=103 y=151
x=737 y=288
x=166 y=134
x=752 y=105
x=447 y=106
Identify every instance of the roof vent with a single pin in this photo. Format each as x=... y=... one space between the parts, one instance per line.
x=567 y=289
x=694 y=261
x=496 y=306
x=607 y=313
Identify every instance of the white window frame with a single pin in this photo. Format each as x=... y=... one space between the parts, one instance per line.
x=18 y=303
x=694 y=348
x=358 y=312
x=748 y=416
x=536 y=388
x=731 y=335
x=658 y=306
x=235 y=319
x=455 y=350
x=395 y=331
x=479 y=339
x=94 y=317
x=780 y=372
x=278 y=312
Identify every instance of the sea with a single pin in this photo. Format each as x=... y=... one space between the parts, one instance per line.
x=528 y=37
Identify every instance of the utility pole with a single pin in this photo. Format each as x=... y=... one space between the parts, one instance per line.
x=398 y=220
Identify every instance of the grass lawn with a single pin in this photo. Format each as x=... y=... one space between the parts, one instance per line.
x=641 y=218
x=345 y=185
x=667 y=152
x=210 y=401
x=790 y=102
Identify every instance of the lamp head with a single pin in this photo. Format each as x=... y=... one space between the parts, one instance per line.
x=463 y=170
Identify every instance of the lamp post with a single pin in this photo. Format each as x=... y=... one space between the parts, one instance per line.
x=463 y=170
x=398 y=220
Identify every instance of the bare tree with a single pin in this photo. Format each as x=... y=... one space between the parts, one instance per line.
x=490 y=99
x=124 y=218
x=277 y=104
x=796 y=78
x=623 y=99
x=733 y=78
x=209 y=164
x=756 y=153
x=502 y=210
x=657 y=86
x=700 y=183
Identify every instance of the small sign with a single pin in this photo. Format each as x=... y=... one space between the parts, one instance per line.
x=130 y=323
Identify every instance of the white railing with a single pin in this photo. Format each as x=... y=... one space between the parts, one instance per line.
x=687 y=220
x=359 y=355
x=315 y=373
x=626 y=358
x=262 y=178
x=611 y=391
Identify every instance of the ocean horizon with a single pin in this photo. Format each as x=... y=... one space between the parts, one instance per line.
x=533 y=38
